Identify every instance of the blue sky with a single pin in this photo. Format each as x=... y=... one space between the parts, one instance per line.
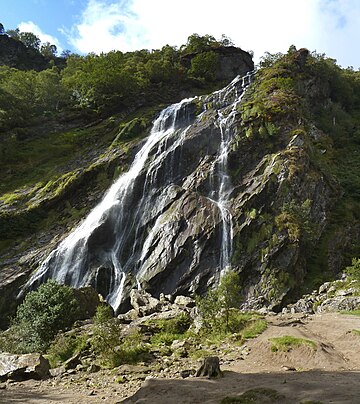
x=327 y=26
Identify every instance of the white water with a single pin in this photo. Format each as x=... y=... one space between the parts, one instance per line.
x=113 y=236
x=221 y=193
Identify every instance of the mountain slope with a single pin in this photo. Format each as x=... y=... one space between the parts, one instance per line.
x=267 y=185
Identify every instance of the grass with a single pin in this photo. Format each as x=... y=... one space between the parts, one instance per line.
x=356 y=332
x=258 y=395
x=352 y=312
x=254 y=329
x=287 y=342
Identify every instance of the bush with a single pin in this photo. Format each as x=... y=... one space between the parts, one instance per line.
x=168 y=330
x=108 y=343
x=66 y=346
x=353 y=271
x=42 y=315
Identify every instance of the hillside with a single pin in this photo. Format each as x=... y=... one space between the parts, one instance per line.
x=268 y=185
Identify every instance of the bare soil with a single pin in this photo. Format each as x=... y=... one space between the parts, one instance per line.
x=330 y=373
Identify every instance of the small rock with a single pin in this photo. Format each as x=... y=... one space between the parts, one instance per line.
x=93 y=368
x=56 y=372
x=288 y=368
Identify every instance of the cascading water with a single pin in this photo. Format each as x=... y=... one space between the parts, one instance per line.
x=222 y=190
x=118 y=235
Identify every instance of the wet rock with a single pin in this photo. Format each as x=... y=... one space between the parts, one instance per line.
x=23 y=367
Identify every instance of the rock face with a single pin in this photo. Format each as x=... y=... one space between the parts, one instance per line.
x=23 y=367
x=232 y=62
x=217 y=184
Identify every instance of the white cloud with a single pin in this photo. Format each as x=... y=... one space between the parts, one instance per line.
x=340 y=30
x=35 y=29
x=258 y=25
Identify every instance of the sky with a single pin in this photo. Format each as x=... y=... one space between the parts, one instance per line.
x=82 y=26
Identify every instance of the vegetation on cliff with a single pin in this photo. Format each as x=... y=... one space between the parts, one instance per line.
x=294 y=152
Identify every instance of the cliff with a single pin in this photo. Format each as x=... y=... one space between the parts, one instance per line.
x=259 y=176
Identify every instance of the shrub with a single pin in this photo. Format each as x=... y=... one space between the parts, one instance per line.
x=66 y=346
x=353 y=271
x=108 y=343
x=216 y=307
x=168 y=330
x=43 y=313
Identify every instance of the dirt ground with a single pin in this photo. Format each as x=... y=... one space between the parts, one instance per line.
x=330 y=373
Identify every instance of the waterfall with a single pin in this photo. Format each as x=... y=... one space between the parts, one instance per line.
x=117 y=236
x=222 y=190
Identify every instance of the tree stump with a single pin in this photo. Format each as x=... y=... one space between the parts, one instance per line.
x=210 y=368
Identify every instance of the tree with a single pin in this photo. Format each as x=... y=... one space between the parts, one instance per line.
x=30 y=40
x=13 y=33
x=226 y=41
x=204 y=65
x=48 y=50
x=197 y=43
x=2 y=29
x=43 y=314
x=66 y=53
x=216 y=307
x=353 y=271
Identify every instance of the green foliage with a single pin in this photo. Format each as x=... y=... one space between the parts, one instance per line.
x=165 y=331
x=352 y=312
x=43 y=313
x=66 y=346
x=216 y=306
x=111 y=347
x=254 y=328
x=204 y=65
x=353 y=271
x=287 y=342
x=197 y=43
x=296 y=219
x=30 y=40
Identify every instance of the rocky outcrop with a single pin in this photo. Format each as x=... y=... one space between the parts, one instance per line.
x=339 y=295
x=232 y=62
x=23 y=367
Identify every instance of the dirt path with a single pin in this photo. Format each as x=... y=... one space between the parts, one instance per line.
x=330 y=373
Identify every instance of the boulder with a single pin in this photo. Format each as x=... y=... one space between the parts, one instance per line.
x=143 y=303
x=23 y=367
x=184 y=301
